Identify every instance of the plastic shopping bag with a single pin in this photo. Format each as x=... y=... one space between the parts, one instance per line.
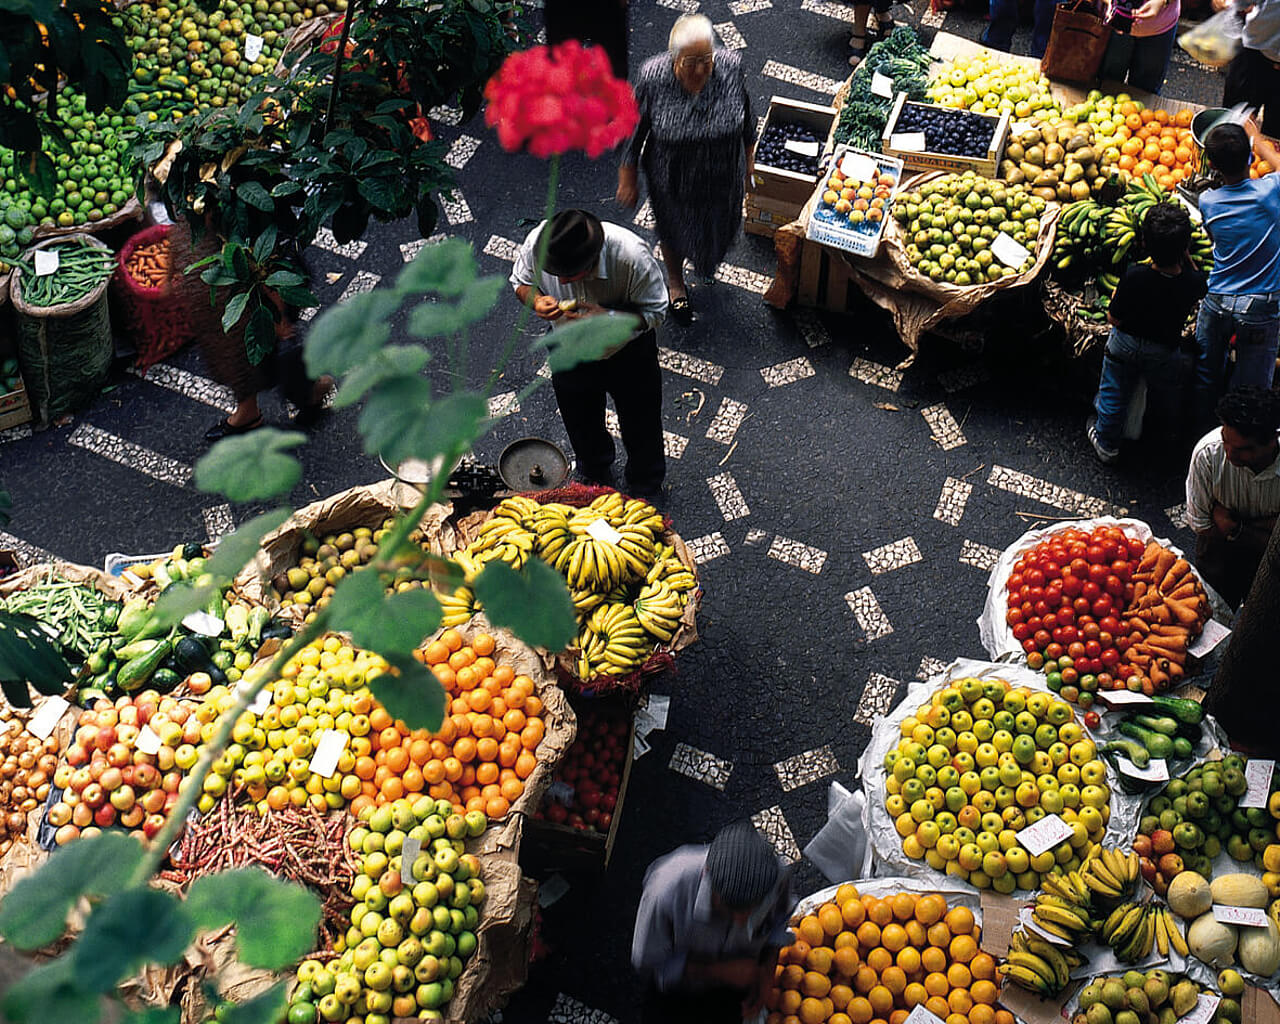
x=840 y=849
x=1216 y=40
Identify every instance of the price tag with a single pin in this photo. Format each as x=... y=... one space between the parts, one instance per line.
x=1018 y=127
x=1118 y=698
x=858 y=166
x=640 y=747
x=881 y=85
x=43 y=721
x=1044 y=835
x=1206 y=1006
x=1258 y=774
x=203 y=623
x=919 y=1015
x=803 y=148
x=252 y=48
x=654 y=716
x=132 y=578
x=551 y=890
x=1009 y=252
x=148 y=742
x=408 y=854
x=1254 y=917
x=331 y=744
x=1214 y=633
x=46 y=262
x=261 y=700
x=603 y=532
x=907 y=142
x=561 y=792
x=1156 y=771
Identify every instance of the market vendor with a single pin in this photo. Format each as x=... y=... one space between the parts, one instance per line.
x=1253 y=76
x=710 y=924
x=1233 y=490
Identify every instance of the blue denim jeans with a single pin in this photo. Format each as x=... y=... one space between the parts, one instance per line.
x=1125 y=361
x=1254 y=321
x=1004 y=19
x=1145 y=59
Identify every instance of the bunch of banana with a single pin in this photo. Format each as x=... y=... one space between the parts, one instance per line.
x=1064 y=907
x=1110 y=874
x=1038 y=966
x=504 y=539
x=1201 y=249
x=1133 y=928
x=458 y=607
x=585 y=601
x=549 y=525
x=469 y=564
x=612 y=642
x=518 y=509
x=667 y=568
x=1119 y=232
x=659 y=607
x=1079 y=231
x=1144 y=193
x=1168 y=932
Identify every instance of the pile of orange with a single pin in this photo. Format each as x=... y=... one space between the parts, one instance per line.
x=1259 y=168
x=1157 y=142
x=864 y=960
x=484 y=750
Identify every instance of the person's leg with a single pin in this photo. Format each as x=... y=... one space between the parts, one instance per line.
x=1043 y=23
x=1120 y=373
x=1117 y=58
x=1150 y=60
x=673 y=261
x=1267 y=78
x=884 y=17
x=1214 y=328
x=1003 y=20
x=580 y=393
x=635 y=382
x=1163 y=369
x=1225 y=566
x=858 y=39
x=1236 y=83
x=1256 y=342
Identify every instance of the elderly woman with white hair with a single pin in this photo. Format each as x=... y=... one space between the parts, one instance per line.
x=695 y=141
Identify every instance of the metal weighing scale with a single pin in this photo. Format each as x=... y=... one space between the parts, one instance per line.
x=529 y=464
x=1205 y=178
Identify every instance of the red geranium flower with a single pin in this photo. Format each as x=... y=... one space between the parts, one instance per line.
x=554 y=99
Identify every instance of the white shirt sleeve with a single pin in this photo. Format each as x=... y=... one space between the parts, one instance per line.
x=648 y=288
x=1200 y=490
x=522 y=269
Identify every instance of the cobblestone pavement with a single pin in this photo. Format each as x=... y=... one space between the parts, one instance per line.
x=844 y=512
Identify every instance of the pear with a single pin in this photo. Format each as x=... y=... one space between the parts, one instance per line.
x=1113 y=993
x=1127 y=1017
x=1138 y=1001
x=1099 y=1014
x=1184 y=996
x=1157 y=991
x=1090 y=994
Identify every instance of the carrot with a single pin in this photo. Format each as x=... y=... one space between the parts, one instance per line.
x=1139 y=590
x=1187 y=613
x=1150 y=554
x=1165 y=561
x=1139 y=628
x=1177 y=572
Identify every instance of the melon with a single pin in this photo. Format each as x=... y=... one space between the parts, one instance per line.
x=1189 y=895
x=1239 y=890
x=1212 y=941
x=1260 y=949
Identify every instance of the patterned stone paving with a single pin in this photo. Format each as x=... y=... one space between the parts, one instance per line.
x=730 y=500
x=951 y=502
x=804 y=768
x=980 y=556
x=873 y=373
x=704 y=549
x=946 y=431
x=892 y=556
x=772 y=824
x=802 y=556
x=878 y=696
x=787 y=373
x=701 y=766
x=866 y=609
x=1027 y=486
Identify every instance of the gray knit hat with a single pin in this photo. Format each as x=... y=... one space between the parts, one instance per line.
x=742 y=866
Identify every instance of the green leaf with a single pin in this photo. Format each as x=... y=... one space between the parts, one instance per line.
x=275 y=921
x=349 y=333
x=413 y=695
x=34 y=912
x=237 y=549
x=388 y=625
x=284 y=278
x=396 y=361
x=586 y=340
x=153 y=1015
x=256 y=196
x=445 y=268
x=400 y=422
x=28 y=656
x=253 y=466
x=441 y=319
x=128 y=930
x=264 y=245
x=50 y=994
x=267 y=1008
x=180 y=599
x=533 y=603
x=234 y=311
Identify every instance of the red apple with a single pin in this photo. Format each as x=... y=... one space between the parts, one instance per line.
x=85 y=736
x=129 y=715
x=104 y=816
x=94 y=796
x=80 y=778
x=152 y=825
x=128 y=734
x=1162 y=842
x=1142 y=845
x=105 y=737
x=191 y=732
x=119 y=755
x=77 y=755
x=123 y=798
x=96 y=767
x=1169 y=864
x=164 y=758
x=111 y=779
x=81 y=815
x=171 y=782
x=65 y=834
x=146 y=776
x=153 y=801
x=62 y=776
x=1147 y=868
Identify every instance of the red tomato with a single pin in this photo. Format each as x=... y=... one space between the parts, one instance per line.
x=1029 y=646
x=1054 y=651
x=1091 y=591
x=1092 y=649
x=1033 y=622
x=1042 y=638
x=1121 y=567
x=1102 y=606
x=1114 y=586
x=1110 y=624
x=1013 y=616
x=1097 y=554
x=1091 y=631
x=1109 y=657
x=1042 y=608
x=1081 y=605
x=1052 y=570
x=1072 y=585
x=1136 y=547
x=1035 y=577
x=1015 y=581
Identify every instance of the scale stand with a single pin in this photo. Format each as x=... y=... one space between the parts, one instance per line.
x=529 y=464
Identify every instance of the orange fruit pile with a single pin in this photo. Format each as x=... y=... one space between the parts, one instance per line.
x=482 y=753
x=864 y=960
x=1157 y=142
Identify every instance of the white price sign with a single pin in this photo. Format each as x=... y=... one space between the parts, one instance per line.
x=46 y=262
x=1254 y=917
x=1044 y=835
x=148 y=742
x=408 y=854
x=1206 y=1006
x=603 y=532
x=1258 y=774
x=881 y=85
x=252 y=47
x=858 y=166
x=802 y=148
x=203 y=623
x=1007 y=251
x=919 y=1015
x=907 y=142
x=1214 y=633
x=48 y=715
x=261 y=700
x=1118 y=698
x=1156 y=771
x=329 y=748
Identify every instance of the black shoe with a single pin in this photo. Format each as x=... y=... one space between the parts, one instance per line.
x=681 y=311
x=224 y=428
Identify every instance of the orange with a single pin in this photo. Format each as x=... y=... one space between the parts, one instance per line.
x=397 y=759
x=983 y=966
x=393 y=788
x=960 y=1000
x=486 y=773
x=879 y=958
x=483 y=643
x=452 y=639
x=894 y=979
x=846 y=892
x=819 y=959
x=880 y=912
x=898 y=1016
x=466 y=676
x=1143 y=167
x=893 y=937
x=1162 y=116
x=816 y=984
x=525 y=764
x=881 y=1000
x=853 y=912
x=497 y=807
x=789 y=1001
x=433 y=771
x=810 y=929
x=1003 y=1016
x=512 y=789
x=984 y=991
x=936 y=984
x=1133 y=121
x=487 y=749
x=982 y=1014
x=841 y=996
x=531 y=734
x=831 y=920
x=1183 y=119
x=365 y=767
x=917 y=934
x=914 y=994
x=933 y=959
x=939 y=935
x=847 y=961
x=937 y=1005
x=909 y=960
x=481 y=725
x=960 y=920
x=436 y=652
x=812 y=1011
x=958 y=974
x=864 y=981
x=452 y=769
x=505 y=674
x=904 y=906
x=480 y=700
x=446 y=677
x=929 y=909
x=791 y=976
x=414 y=782
x=963 y=949
x=868 y=934
x=845 y=938
x=859 y=1010
x=464 y=749
x=420 y=751
x=956 y=1018
x=379 y=718
x=1127 y=162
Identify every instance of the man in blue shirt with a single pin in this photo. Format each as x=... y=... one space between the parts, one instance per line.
x=1243 y=219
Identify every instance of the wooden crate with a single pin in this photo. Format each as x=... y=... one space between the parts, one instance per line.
x=986 y=166
x=763 y=216
x=826 y=280
x=776 y=183
x=15 y=408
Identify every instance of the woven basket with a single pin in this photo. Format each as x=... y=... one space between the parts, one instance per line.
x=66 y=350
x=152 y=315
x=132 y=210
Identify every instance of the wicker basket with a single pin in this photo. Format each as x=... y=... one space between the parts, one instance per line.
x=153 y=316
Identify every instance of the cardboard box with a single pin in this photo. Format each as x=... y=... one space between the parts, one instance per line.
x=9 y=563
x=15 y=408
x=776 y=183
x=763 y=216
x=831 y=228
x=946 y=46
x=988 y=166
x=826 y=281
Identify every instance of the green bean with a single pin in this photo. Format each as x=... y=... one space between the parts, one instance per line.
x=77 y=614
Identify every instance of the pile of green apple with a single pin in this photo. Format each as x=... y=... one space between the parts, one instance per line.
x=991 y=84
x=408 y=942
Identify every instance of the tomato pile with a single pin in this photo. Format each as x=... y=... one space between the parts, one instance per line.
x=1066 y=602
x=584 y=792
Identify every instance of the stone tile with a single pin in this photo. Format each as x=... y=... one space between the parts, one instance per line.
x=134 y=456
x=201 y=389
x=841 y=12
x=567 y=1010
x=672 y=444
x=505 y=404
x=978 y=555
x=802 y=556
x=362 y=282
x=689 y=366
x=445 y=115
x=951 y=502
x=502 y=248
x=876 y=374
x=729 y=499
x=878 y=696
x=410 y=250
x=353 y=250
x=963 y=377
x=461 y=149
x=756 y=537
x=14 y=434
x=798 y=76
x=740 y=7
x=804 y=768
x=683 y=6
x=28 y=554
x=892 y=556
x=930 y=667
x=644 y=216
x=699 y=765
x=456 y=210
x=946 y=431
x=1027 y=486
x=772 y=824
x=866 y=609
x=218 y=521
x=741 y=277
x=704 y=549
x=787 y=373
x=308 y=314
x=1177 y=514
x=727 y=420
x=544 y=371
x=541 y=37
x=730 y=36
x=812 y=329
x=932 y=18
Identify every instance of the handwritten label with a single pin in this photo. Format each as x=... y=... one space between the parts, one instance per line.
x=803 y=148
x=1206 y=1006
x=46 y=262
x=1156 y=771
x=48 y=715
x=148 y=742
x=907 y=142
x=1009 y=252
x=919 y=1015
x=561 y=792
x=203 y=623
x=1213 y=634
x=330 y=746
x=252 y=47
x=858 y=166
x=1258 y=774
x=1044 y=835
x=881 y=85
x=601 y=530
x=1254 y=917
x=1117 y=698
x=408 y=854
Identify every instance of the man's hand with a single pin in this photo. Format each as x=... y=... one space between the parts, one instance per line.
x=759 y=988
x=628 y=193
x=1224 y=519
x=547 y=307
x=583 y=309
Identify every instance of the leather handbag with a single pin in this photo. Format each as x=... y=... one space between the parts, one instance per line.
x=1077 y=42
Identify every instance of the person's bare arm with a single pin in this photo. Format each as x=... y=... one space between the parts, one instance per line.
x=544 y=306
x=1261 y=147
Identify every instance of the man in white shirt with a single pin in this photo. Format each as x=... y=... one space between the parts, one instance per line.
x=1253 y=76
x=595 y=269
x=1233 y=490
